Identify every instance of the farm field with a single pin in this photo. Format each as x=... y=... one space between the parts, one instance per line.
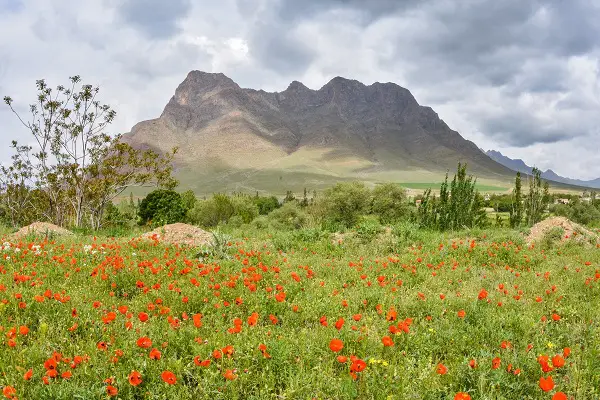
x=296 y=315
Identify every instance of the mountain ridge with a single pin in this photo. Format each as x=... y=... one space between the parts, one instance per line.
x=344 y=129
x=520 y=166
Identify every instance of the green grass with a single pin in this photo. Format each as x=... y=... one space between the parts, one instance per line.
x=358 y=274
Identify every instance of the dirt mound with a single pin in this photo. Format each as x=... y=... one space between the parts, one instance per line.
x=182 y=234
x=41 y=229
x=570 y=230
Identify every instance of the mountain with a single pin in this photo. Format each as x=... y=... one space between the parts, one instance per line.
x=520 y=166
x=231 y=138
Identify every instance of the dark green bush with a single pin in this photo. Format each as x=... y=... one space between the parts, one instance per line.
x=161 y=207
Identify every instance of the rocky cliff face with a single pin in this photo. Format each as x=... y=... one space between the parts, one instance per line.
x=210 y=117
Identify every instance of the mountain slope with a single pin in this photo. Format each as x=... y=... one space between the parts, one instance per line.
x=520 y=166
x=344 y=130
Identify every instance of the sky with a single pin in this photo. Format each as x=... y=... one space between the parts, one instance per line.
x=518 y=76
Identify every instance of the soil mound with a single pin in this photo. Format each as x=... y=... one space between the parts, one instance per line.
x=181 y=234
x=570 y=230
x=41 y=229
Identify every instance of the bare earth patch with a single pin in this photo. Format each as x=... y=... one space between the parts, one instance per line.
x=572 y=231
x=181 y=234
x=41 y=229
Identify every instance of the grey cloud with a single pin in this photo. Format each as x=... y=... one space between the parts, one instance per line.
x=157 y=19
x=522 y=130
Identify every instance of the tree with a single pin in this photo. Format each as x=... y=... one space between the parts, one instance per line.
x=346 y=202
x=390 y=203
x=459 y=207
x=77 y=165
x=161 y=207
x=516 y=212
x=538 y=198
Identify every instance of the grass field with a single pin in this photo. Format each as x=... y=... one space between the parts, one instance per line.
x=295 y=315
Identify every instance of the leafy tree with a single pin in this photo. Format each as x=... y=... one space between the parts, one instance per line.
x=73 y=161
x=516 y=211
x=188 y=198
x=266 y=204
x=460 y=206
x=345 y=203
x=161 y=207
x=390 y=203
x=537 y=199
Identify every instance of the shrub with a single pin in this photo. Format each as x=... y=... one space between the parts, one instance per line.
x=245 y=208
x=212 y=212
x=345 y=203
x=266 y=204
x=290 y=216
x=161 y=207
x=390 y=203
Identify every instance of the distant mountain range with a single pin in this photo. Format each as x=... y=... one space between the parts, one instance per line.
x=520 y=166
x=231 y=138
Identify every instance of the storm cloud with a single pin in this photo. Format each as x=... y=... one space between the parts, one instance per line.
x=517 y=76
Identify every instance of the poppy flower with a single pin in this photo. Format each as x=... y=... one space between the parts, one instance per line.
x=461 y=314
x=155 y=354
x=169 y=377
x=558 y=361
x=339 y=323
x=135 y=378
x=546 y=384
x=462 y=396
x=559 y=396
x=144 y=342
x=143 y=317
x=229 y=375
x=217 y=354
x=358 y=365
x=441 y=369
x=27 y=376
x=342 y=359
x=9 y=392
x=387 y=341
x=112 y=391
x=336 y=345
x=496 y=363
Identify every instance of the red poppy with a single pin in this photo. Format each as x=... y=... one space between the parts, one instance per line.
x=111 y=391
x=387 y=341
x=229 y=375
x=336 y=345
x=135 y=378
x=546 y=384
x=358 y=365
x=462 y=396
x=496 y=363
x=144 y=342
x=441 y=369
x=27 y=376
x=155 y=354
x=169 y=377
x=559 y=396
x=558 y=361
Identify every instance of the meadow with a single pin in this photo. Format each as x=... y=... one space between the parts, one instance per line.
x=403 y=314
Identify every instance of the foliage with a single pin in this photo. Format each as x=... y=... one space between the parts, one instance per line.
x=290 y=216
x=516 y=209
x=161 y=207
x=537 y=199
x=390 y=203
x=458 y=207
x=345 y=203
x=75 y=168
x=266 y=204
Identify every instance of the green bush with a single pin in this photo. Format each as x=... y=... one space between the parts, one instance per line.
x=245 y=208
x=210 y=213
x=390 y=203
x=161 y=207
x=345 y=203
x=289 y=216
x=266 y=204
